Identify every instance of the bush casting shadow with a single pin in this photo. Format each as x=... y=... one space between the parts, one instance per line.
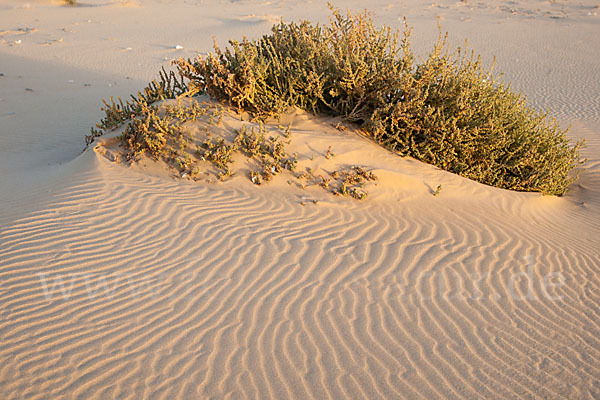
x=446 y=110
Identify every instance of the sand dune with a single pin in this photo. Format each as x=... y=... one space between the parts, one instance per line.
x=129 y=285
x=119 y=283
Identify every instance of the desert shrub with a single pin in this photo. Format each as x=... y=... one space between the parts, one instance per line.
x=447 y=110
x=269 y=152
x=116 y=113
x=454 y=114
x=148 y=133
x=219 y=153
x=348 y=68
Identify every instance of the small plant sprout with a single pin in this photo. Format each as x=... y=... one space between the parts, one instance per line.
x=329 y=153
x=339 y=127
x=256 y=177
x=437 y=190
x=349 y=182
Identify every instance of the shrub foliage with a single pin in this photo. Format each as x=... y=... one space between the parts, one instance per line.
x=447 y=110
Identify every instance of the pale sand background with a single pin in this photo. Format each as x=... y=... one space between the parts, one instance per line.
x=174 y=289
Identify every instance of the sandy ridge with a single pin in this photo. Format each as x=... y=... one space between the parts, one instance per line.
x=326 y=301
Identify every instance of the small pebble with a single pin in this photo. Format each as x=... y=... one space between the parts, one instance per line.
x=28 y=90
x=178 y=47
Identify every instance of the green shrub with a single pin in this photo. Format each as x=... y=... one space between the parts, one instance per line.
x=347 y=69
x=148 y=134
x=117 y=113
x=447 y=111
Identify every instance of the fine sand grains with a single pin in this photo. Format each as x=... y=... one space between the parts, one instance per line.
x=116 y=282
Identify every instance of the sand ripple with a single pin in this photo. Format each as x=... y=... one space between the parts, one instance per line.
x=128 y=286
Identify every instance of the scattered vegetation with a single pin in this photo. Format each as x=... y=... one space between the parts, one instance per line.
x=329 y=153
x=447 y=110
x=116 y=113
x=270 y=153
x=346 y=181
x=350 y=182
x=219 y=153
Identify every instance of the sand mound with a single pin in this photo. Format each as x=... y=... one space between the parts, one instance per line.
x=323 y=149
x=144 y=285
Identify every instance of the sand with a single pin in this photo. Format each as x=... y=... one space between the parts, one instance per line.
x=125 y=282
